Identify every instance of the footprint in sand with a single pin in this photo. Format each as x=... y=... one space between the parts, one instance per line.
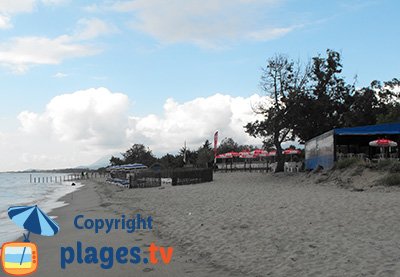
x=148 y=269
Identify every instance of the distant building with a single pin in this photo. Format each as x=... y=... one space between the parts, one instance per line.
x=327 y=148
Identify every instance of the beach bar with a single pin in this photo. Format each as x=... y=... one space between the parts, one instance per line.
x=324 y=150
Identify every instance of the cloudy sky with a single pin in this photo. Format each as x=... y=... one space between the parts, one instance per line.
x=83 y=79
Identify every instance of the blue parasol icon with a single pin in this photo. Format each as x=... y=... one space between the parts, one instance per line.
x=34 y=220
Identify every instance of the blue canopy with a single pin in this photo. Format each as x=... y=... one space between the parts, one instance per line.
x=127 y=166
x=381 y=129
x=34 y=220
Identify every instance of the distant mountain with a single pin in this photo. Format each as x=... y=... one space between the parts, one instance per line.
x=102 y=162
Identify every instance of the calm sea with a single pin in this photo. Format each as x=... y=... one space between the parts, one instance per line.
x=16 y=189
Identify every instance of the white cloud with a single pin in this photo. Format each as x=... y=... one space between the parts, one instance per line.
x=78 y=128
x=90 y=28
x=60 y=75
x=55 y=2
x=95 y=117
x=12 y=7
x=208 y=23
x=21 y=53
x=195 y=121
x=9 y=8
x=269 y=33
x=20 y=6
x=25 y=6
x=5 y=22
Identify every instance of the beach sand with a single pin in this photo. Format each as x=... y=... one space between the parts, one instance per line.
x=241 y=224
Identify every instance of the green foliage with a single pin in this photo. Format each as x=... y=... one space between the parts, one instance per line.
x=390 y=180
x=395 y=168
x=207 y=145
x=116 y=161
x=383 y=165
x=346 y=163
x=320 y=106
x=363 y=108
x=392 y=114
x=228 y=145
x=205 y=155
x=171 y=161
x=280 y=79
x=138 y=153
x=310 y=101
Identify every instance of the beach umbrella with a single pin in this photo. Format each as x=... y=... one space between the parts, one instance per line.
x=127 y=167
x=246 y=155
x=382 y=143
x=230 y=155
x=34 y=220
x=133 y=166
x=221 y=156
x=260 y=153
x=291 y=152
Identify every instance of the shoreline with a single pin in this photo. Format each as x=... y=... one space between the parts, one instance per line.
x=241 y=224
x=48 y=203
x=90 y=202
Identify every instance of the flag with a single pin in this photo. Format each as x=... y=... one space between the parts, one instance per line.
x=184 y=154
x=215 y=144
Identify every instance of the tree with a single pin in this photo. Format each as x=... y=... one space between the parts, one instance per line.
x=363 y=108
x=280 y=79
x=388 y=95
x=138 y=153
x=171 y=161
x=191 y=156
x=228 y=145
x=116 y=161
x=205 y=155
x=321 y=106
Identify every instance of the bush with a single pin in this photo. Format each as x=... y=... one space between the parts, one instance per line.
x=390 y=180
x=358 y=171
x=395 y=168
x=346 y=163
x=384 y=164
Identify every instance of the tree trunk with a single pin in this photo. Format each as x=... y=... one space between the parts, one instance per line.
x=279 y=157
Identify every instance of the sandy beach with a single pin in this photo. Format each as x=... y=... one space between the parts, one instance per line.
x=241 y=224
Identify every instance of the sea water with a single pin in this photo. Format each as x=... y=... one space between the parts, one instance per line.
x=17 y=189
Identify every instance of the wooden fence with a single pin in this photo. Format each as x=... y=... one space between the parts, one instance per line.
x=145 y=179
x=187 y=176
x=190 y=176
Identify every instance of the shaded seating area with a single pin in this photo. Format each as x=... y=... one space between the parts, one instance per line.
x=259 y=160
x=361 y=142
x=369 y=143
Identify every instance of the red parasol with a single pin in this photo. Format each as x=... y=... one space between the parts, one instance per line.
x=291 y=152
x=383 y=143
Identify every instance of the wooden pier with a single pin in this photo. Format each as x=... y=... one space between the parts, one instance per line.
x=64 y=178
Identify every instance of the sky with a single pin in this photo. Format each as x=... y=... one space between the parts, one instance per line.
x=80 y=80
